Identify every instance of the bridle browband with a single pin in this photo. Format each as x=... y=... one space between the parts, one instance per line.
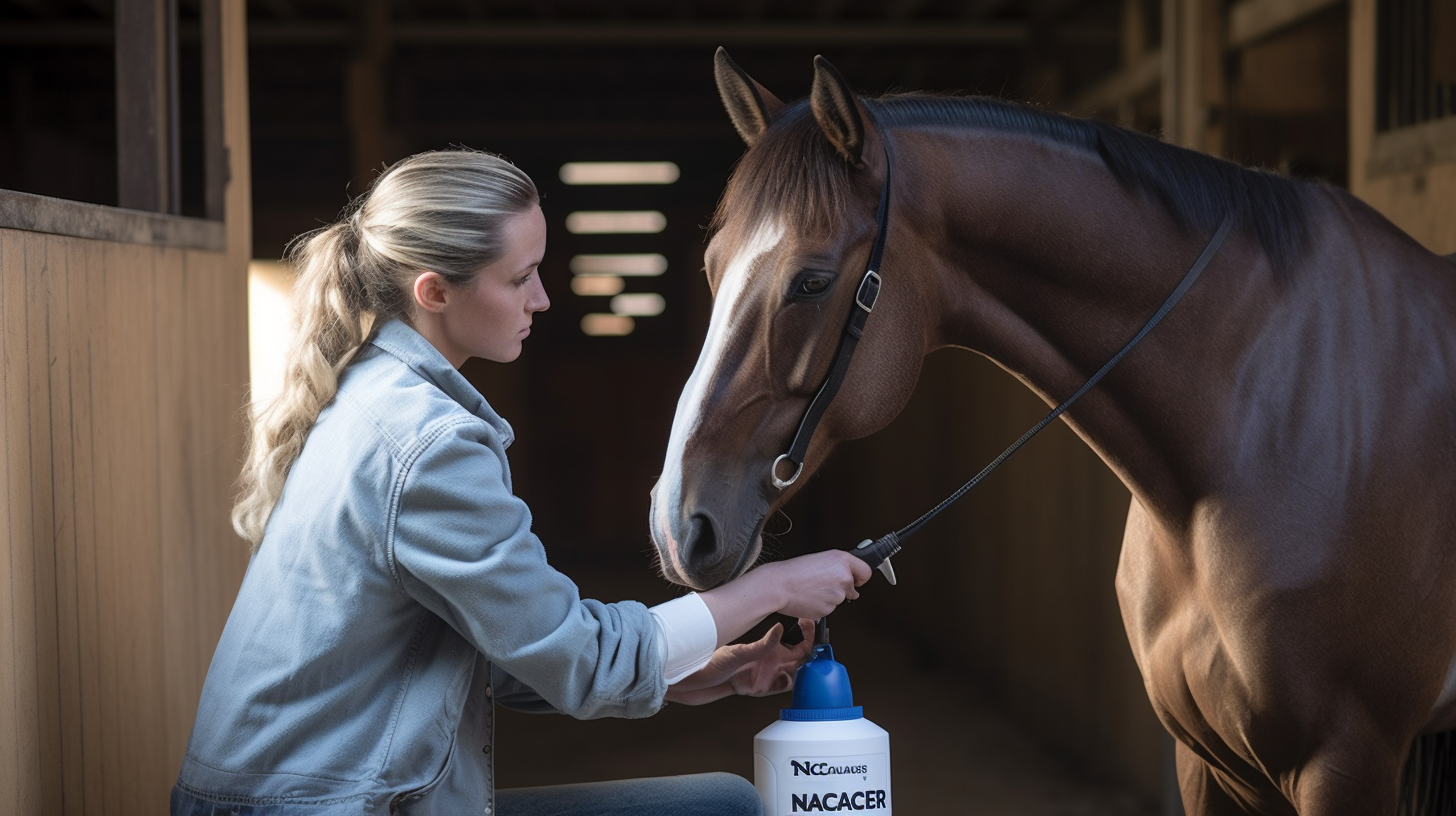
x=877 y=551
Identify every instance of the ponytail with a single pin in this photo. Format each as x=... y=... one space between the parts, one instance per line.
x=440 y=211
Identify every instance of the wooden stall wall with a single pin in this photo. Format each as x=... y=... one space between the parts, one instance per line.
x=1408 y=174
x=124 y=366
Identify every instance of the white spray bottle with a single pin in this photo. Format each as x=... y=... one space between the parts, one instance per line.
x=822 y=755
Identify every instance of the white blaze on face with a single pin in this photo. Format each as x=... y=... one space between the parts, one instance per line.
x=721 y=328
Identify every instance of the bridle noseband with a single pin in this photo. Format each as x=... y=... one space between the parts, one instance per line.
x=877 y=551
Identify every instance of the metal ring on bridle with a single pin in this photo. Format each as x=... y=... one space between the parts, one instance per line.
x=793 y=477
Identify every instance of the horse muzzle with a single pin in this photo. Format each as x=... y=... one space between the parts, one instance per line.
x=695 y=548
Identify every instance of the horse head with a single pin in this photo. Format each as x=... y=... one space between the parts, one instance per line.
x=785 y=263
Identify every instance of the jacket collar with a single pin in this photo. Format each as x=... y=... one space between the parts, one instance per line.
x=398 y=339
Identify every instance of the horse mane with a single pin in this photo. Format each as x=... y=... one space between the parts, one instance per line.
x=794 y=169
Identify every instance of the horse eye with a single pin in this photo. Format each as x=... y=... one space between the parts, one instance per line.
x=811 y=286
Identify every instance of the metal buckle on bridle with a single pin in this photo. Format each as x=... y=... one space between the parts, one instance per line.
x=869 y=291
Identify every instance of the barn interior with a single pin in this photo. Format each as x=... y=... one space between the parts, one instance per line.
x=998 y=664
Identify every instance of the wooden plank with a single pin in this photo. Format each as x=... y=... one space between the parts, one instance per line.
x=23 y=700
x=1253 y=20
x=40 y=276
x=179 y=357
x=65 y=264
x=109 y=629
x=12 y=436
x=130 y=402
x=86 y=300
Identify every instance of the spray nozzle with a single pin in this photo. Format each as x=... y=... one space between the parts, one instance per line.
x=876 y=552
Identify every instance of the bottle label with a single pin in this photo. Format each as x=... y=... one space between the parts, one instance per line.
x=838 y=784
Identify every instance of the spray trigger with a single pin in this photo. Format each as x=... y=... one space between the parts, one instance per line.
x=867 y=551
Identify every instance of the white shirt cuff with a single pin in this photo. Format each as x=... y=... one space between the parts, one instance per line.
x=687 y=635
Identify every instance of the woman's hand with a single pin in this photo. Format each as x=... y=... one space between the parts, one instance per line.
x=809 y=586
x=813 y=585
x=756 y=669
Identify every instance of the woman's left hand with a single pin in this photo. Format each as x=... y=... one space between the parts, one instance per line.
x=756 y=669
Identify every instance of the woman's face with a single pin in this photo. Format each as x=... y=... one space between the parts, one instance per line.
x=490 y=316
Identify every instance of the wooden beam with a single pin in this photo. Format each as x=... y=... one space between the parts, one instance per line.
x=902 y=9
x=1253 y=20
x=146 y=106
x=1133 y=81
x=669 y=34
x=756 y=33
x=1194 y=89
x=1412 y=149
x=366 y=91
x=59 y=216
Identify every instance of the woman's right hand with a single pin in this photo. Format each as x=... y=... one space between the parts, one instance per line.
x=813 y=585
x=809 y=586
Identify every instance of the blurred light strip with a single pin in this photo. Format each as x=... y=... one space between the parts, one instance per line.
x=659 y=172
x=606 y=222
x=597 y=285
x=607 y=325
x=639 y=304
x=648 y=264
x=270 y=327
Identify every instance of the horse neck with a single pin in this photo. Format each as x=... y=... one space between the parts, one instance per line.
x=1048 y=266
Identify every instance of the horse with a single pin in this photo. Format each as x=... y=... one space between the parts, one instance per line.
x=1287 y=575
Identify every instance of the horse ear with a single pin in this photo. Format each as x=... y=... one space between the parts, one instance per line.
x=750 y=105
x=837 y=111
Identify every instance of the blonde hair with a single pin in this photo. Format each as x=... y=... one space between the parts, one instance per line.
x=442 y=211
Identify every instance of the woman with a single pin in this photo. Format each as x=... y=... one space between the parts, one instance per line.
x=395 y=591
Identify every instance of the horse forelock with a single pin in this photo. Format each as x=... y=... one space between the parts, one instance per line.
x=791 y=175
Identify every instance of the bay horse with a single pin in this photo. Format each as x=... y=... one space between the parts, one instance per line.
x=1287 y=576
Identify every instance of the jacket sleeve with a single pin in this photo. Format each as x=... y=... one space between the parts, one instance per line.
x=461 y=544
x=514 y=694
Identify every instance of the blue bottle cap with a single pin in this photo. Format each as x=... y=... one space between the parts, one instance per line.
x=821 y=690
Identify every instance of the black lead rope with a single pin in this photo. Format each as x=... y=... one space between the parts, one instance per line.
x=877 y=552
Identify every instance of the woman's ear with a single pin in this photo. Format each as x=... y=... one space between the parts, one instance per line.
x=431 y=291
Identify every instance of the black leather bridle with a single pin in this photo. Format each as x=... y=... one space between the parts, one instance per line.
x=864 y=303
x=877 y=551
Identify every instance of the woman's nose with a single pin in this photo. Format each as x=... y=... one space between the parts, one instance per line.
x=539 y=302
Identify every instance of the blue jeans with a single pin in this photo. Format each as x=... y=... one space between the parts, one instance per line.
x=709 y=794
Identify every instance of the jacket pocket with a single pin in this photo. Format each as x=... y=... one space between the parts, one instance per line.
x=402 y=804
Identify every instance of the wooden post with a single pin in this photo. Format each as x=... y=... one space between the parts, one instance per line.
x=146 y=106
x=1195 y=87
x=1134 y=46
x=215 y=158
x=366 y=92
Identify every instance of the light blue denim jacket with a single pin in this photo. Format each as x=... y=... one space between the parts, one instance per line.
x=397 y=594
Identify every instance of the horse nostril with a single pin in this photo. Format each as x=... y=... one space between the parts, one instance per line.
x=700 y=546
